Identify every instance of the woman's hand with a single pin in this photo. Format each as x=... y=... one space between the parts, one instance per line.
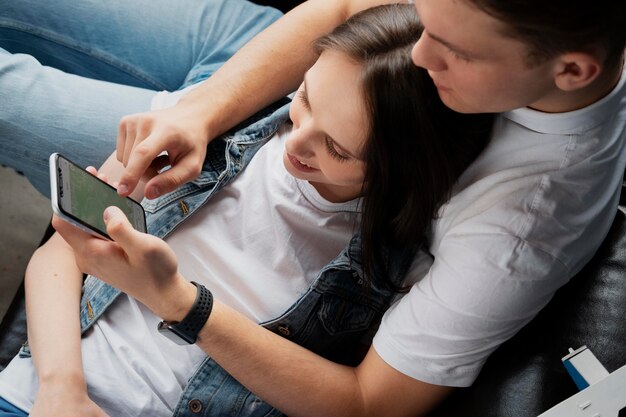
x=141 y=265
x=64 y=399
x=180 y=130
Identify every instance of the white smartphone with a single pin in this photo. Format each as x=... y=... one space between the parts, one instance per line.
x=80 y=198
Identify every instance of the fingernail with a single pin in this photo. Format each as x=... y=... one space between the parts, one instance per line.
x=122 y=189
x=153 y=192
x=110 y=212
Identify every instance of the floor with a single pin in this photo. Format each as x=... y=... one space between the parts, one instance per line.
x=24 y=216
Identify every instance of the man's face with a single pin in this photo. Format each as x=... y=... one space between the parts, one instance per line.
x=475 y=67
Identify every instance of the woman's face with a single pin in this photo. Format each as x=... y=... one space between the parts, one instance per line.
x=329 y=119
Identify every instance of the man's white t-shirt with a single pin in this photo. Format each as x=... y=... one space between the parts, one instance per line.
x=525 y=217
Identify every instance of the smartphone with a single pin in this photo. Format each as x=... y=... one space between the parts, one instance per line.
x=80 y=198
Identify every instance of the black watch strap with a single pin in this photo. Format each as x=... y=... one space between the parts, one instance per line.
x=185 y=332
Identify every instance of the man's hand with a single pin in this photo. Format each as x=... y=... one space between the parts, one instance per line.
x=142 y=137
x=141 y=265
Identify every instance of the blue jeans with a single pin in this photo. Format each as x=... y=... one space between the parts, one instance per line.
x=9 y=410
x=70 y=69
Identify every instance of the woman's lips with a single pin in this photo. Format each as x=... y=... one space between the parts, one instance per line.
x=299 y=165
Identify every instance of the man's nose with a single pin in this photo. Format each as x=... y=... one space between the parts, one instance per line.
x=426 y=54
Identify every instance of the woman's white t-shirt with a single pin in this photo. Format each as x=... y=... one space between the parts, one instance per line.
x=257 y=245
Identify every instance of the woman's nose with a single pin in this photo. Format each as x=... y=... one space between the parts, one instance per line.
x=300 y=141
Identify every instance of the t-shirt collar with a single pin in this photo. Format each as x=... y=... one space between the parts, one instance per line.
x=573 y=122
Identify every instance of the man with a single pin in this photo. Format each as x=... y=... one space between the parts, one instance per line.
x=527 y=215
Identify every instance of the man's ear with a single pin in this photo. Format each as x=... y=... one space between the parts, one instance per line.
x=576 y=70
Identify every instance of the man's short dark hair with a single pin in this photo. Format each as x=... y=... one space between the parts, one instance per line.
x=552 y=27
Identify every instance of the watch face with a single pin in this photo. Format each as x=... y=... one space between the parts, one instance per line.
x=174 y=334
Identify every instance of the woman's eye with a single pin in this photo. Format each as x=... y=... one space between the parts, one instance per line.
x=333 y=152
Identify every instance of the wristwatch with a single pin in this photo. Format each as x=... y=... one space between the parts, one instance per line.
x=185 y=332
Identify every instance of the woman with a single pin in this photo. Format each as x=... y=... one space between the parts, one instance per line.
x=312 y=247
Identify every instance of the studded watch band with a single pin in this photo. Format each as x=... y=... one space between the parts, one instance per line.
x=186 y=331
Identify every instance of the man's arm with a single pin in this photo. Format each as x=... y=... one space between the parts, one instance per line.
x=269 y=67
x=301 y=383
x=291 y=378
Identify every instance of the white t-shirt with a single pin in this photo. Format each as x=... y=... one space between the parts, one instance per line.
x=257 y=245
x=525 y=217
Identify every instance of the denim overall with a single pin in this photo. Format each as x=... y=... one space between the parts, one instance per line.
x=336 y=318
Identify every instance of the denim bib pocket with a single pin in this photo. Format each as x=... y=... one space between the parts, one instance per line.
x=152 y=206
x=253 y=406
x=339 y=314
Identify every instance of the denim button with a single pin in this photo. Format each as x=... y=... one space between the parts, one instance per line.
x=284 y=330
x=195 y=406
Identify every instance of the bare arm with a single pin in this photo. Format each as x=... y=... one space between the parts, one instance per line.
x=269 y=67
x=145 y=267
x=310 y=385
x=53 y=285
x=53 y=288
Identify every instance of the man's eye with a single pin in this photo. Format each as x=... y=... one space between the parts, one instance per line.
x=304 y=99
x=459 y=56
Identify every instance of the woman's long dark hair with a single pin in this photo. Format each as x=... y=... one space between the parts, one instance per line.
x=417 y=147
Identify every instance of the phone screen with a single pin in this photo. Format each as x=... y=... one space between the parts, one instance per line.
x=81 y=198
